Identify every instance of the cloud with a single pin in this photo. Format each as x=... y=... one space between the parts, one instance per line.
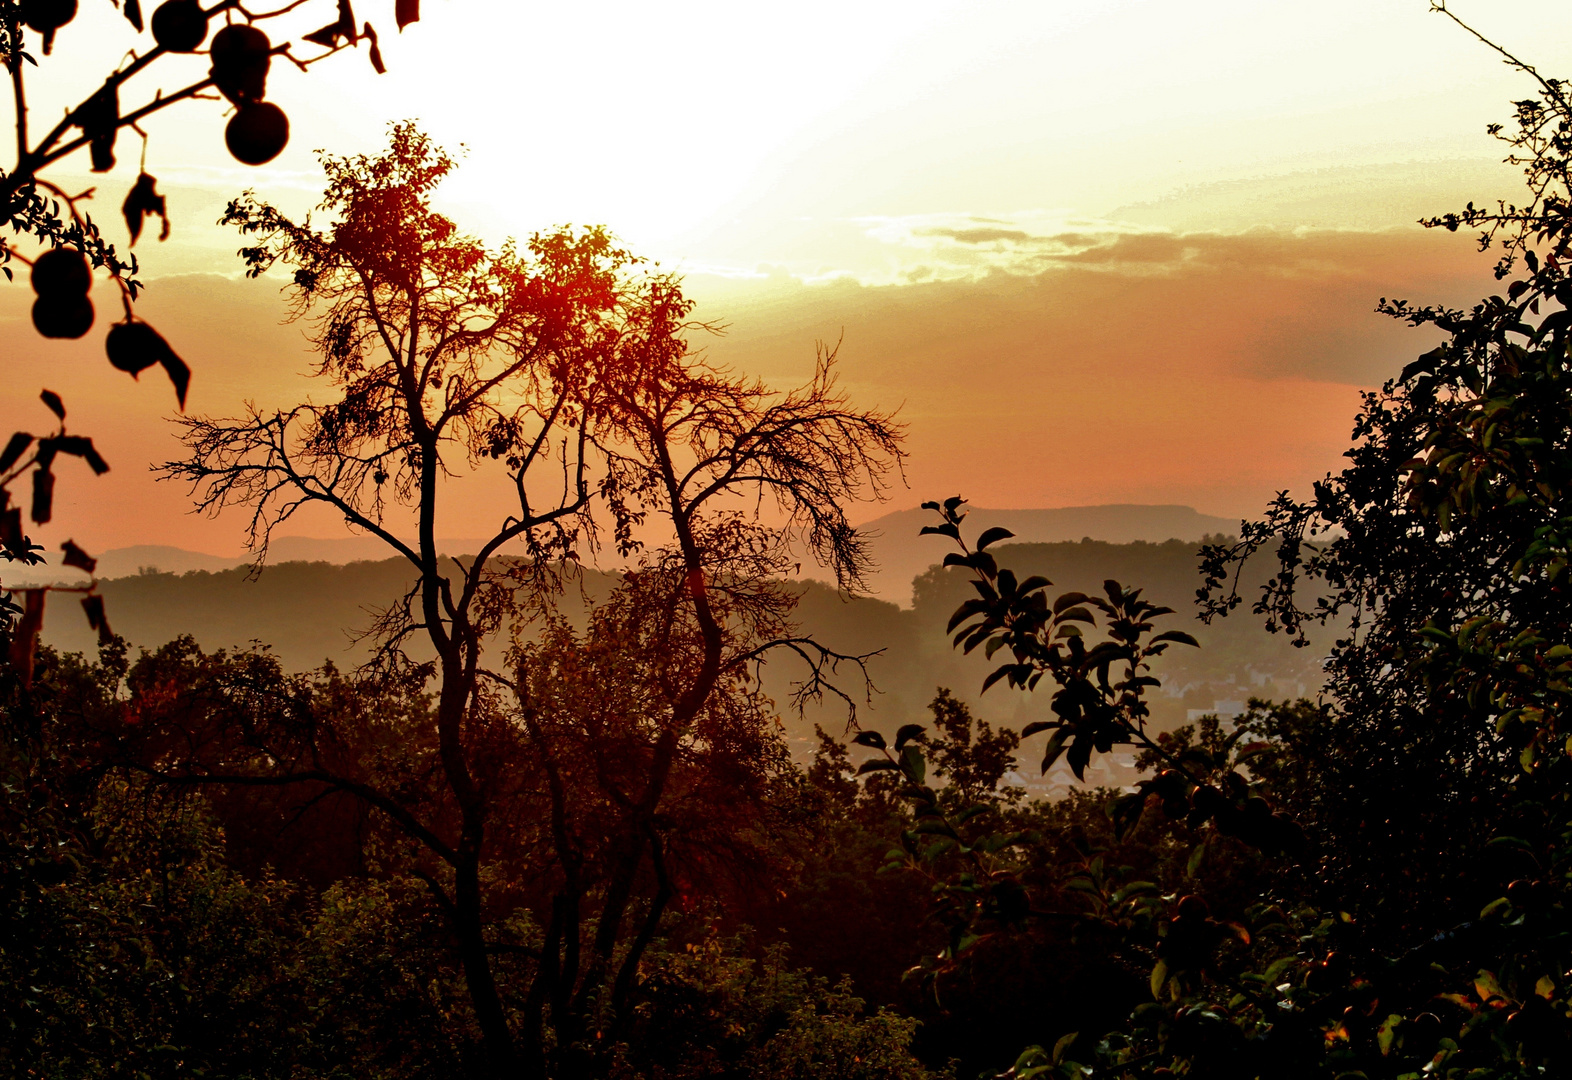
x=979 y=236
x=1208 y=369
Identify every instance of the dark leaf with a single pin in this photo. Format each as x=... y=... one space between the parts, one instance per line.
x=907 y=733
x=327 y=37
x=179 y=374
x=1079 y=756
x=406 y=12
x=1069 y=599
x=993 y=536
x=869 y=738
x=94 y=606
x=82 y=447
x=376 y=53
x=99 y=119
x=1035 y=726
x=877 y=764
x=14 y=450
x=52 y=400
x=962 y=613
x=143 y=199
x=11 y=532
x=947 y=529
x=133 y=11
x=1177 y=635
x=75 y=556
x=1055 y=747
x=43 y=495
x=995 y=675
x=343 y=28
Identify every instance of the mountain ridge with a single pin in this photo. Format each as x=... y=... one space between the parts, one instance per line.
x=901 y=553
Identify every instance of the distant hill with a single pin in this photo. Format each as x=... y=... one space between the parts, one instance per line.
x=900 y=551
x=162 y=558
x=124 y=562
x=308 y=613
x=903 y=553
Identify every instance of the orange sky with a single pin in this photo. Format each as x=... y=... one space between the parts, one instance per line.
x=1124 y=252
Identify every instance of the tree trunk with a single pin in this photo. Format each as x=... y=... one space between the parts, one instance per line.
x=469 y=927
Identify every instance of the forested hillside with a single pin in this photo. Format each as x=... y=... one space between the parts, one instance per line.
x=308 y=614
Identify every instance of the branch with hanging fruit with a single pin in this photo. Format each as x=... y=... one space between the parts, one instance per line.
x=73 y=247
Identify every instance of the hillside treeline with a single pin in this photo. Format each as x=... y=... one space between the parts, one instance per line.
x=306 y=614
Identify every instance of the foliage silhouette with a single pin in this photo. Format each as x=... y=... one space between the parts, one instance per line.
x=73 y=245
x=1428 y=936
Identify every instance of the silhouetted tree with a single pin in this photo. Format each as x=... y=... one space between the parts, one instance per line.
x=578 y=382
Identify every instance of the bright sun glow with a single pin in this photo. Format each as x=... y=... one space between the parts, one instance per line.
x=964 y=194
x=716 y=132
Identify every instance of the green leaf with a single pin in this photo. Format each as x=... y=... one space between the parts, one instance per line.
x=1159 y=977
x=1486 y=986
x=913 y=763
x=1193 y=863
x=1387 y=1033
x=942 y=846
x=1494 y=906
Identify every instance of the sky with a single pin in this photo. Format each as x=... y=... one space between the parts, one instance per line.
x=1093 y=252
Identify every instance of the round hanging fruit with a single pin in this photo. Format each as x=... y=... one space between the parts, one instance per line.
x=62 y=316
x=46 y=16
x=61 y=272
x=257 y=133
x=240 y=62
x=134 y=346
x=180 y=26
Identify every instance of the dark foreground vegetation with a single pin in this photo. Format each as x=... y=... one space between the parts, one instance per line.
x=578 y=847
